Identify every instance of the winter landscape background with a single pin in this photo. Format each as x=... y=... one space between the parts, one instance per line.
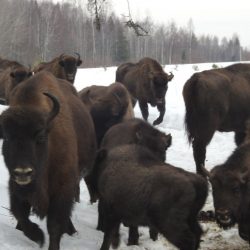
x=179 y=154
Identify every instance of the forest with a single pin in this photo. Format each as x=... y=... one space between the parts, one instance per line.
x=33 y=31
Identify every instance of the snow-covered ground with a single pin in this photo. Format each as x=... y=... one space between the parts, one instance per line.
x=179 y=154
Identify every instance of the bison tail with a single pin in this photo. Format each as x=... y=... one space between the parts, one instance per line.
x=189 y=95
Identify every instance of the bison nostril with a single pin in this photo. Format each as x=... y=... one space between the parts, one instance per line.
x=23 y=171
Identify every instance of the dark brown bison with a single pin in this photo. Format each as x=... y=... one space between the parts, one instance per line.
x=136 y=188
x=48 y=144
x=147 y=83
x=11 y=75
x=63 y=67
x=217 y=99
x=108 y=105
x=135 y=131
x=228 y=182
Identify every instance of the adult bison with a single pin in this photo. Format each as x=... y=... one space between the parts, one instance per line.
x=136 y=188
x=147 y=83
x=11 y=76
x=63 y=66
x=48 y=144
x=108 y=105
x=228 y=182
x=217 y=99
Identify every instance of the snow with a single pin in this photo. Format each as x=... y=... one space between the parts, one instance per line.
x=179 y=154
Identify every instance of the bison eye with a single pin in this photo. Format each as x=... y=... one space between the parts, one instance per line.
x=41 y=137
x=236 y=190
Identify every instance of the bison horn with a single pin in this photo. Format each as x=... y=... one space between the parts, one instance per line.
x=170 y=76
x=78 y=56
x=79 y=61
x=61 y=56
x=56 y=107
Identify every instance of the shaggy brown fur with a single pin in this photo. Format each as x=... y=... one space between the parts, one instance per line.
x=108 y=106
x=136 y=131
x=63 y=67
x=147 y=82
x=217 y=99
x=46 y=154
x=138 y=189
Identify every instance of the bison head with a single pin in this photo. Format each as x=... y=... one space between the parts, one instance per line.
x=157 y=141
x=227 y=194
x=159 y=85
x=70 y=64
x=19 y=74
x=25 y=141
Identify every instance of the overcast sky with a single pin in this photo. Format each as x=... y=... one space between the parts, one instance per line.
x=215 y=17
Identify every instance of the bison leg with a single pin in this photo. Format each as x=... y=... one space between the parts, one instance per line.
x=58 y=220
x=161 y=108
x=21 y=210
x=71 y=229
x=101 y=217
x=111 y=234
x=153 y=233
x=133 y=236
x=239 y=137
x=144 y=109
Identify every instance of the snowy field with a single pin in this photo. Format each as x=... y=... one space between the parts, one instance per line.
x=179 y=154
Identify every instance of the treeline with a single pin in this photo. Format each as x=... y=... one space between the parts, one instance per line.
x=34 y=31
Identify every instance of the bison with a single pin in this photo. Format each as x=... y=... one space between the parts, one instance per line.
x=147 y=83
x=48 y=144
x=135 y=131
x=136 y=188
x=63 y=67
x=217 y=99
x=228 y=182
x=108 y=105
x=11 y=75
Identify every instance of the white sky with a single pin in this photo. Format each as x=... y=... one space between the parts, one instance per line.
x=222 y=18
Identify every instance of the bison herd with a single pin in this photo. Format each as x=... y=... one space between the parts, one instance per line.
x=53 y=137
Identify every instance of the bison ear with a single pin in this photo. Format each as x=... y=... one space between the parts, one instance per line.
x=168 y=140
x=244 y=177
x=12 y=74
x=79 y=62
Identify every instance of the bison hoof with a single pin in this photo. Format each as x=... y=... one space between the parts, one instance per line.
x=35 y=234
x=157 y=121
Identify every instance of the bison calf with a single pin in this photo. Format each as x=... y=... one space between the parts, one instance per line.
x=137 y=189
x=135 y=131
